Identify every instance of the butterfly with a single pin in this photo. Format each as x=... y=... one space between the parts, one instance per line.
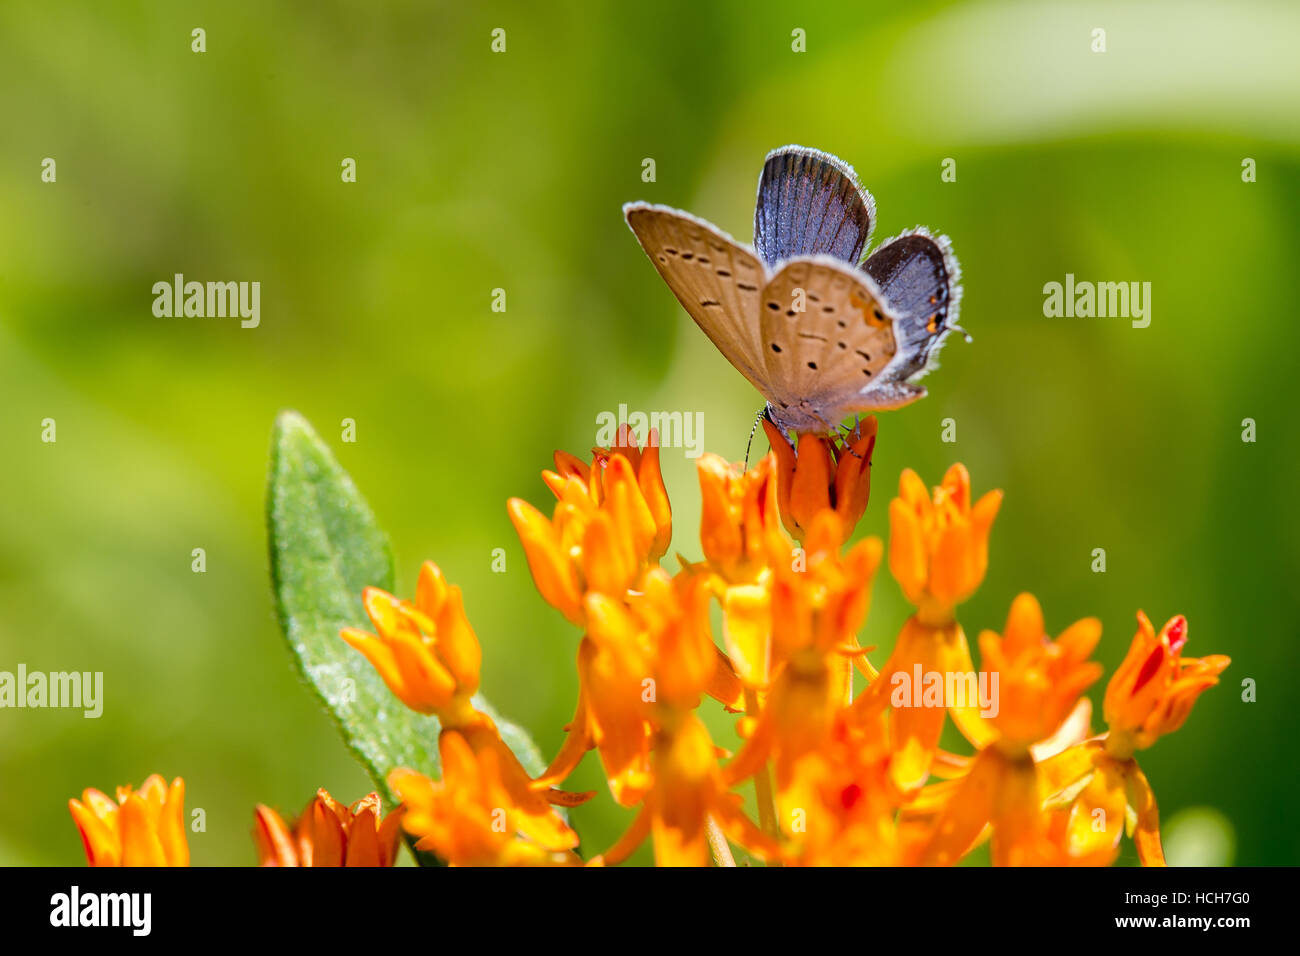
x=820 y=334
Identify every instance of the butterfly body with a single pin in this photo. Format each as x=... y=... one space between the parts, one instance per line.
x=818 y=335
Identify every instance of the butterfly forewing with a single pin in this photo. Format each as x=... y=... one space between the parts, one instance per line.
x=717 y=281
x=810 y=203
x=826 y=336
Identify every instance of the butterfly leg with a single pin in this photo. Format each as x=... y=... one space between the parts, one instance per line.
x=854 y=433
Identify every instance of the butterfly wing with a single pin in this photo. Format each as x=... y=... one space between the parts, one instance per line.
x=824 y=360
x=717 y=281
x=818 y=336
x=810 y=203
x=919 y=277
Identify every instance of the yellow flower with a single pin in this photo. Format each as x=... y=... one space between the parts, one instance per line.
x=825 y=474
x=426 y=653
x=939 y=547
x=329 y=834
x=472 y=817
x=145 y=827
x=611 y=523
x=1154 y=689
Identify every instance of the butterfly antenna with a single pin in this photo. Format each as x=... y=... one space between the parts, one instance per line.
x=750 y=444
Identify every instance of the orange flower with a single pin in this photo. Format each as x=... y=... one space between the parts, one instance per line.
x=611 y=522
x=472 y=818
x=674 y=613
x=838 y=781
x=938 y=553
x=1003 y=791
x=923 y=655
x=1099 y=780
x=1038 y=685
x=741 y=535
x=142 y=828
x=939 y=547
x=1154 y=689
x=429 y=657
x=611 y=714
x=739 y=517
x=329 y=834
x=652 y=655
x=688 y=793
x=1038 y=680
x=426 y=653
x=645 y=462
x=1103 y=797
x=826 y=473
x=838 y=807
x=817 y=612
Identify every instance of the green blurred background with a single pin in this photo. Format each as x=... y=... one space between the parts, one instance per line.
x=479 y=171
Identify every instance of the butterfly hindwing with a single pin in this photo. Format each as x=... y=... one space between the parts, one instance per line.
x=810 y=203
x=918 y=275
x=717 y=281
x=821 y=359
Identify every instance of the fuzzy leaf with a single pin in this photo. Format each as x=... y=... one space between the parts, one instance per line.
x=326 y=546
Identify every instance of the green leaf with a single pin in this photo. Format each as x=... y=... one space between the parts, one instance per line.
x=326 y=546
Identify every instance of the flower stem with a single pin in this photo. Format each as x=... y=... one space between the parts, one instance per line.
x=718 y=844
x=763 y=782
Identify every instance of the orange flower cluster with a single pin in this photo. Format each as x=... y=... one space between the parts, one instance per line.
x=838 y=779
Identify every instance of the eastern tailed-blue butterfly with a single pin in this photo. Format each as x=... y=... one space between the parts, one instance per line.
x=819 y=334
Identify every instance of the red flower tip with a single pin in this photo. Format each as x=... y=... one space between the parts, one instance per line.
x=1177 y=631
x=850 y=795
